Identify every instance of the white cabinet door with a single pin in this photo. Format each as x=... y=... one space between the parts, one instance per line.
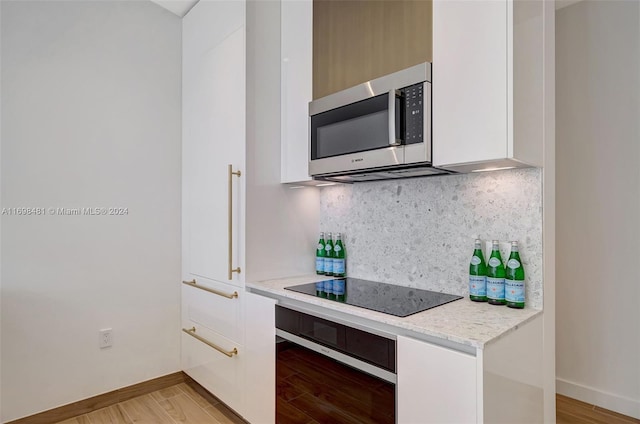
x=435 y=384
x=259 y=359
x=214 y=305
x=469 y=81
x=217 y=372
x=296 y=86
x=213 y=136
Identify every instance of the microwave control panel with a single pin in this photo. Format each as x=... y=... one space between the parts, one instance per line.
x=413 y=113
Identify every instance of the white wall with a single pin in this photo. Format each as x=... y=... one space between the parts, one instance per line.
x=598 y=203
x=91 y=98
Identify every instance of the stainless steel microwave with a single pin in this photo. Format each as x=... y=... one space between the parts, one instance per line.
x=380 y=129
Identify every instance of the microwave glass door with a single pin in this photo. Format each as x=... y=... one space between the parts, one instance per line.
x=358 y=127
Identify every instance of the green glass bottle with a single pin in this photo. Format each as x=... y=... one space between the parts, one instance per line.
x=320 y=255
x=328 y=255
x=495 y=276
x=477 y=275
x=514 y=279
x=339 y=257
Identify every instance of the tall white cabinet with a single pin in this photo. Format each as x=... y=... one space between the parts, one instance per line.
x=213 y=134
x=239 y=222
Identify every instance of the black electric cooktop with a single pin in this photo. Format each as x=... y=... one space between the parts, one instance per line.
x=386 y=298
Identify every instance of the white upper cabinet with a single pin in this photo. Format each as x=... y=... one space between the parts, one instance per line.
x=470 y=81
x=296 y=88
x=487 y=84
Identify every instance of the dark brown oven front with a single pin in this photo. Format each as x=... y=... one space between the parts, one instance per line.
x=332 y=372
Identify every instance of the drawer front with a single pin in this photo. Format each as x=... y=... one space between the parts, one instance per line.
x=213 y=311
x=215 y=371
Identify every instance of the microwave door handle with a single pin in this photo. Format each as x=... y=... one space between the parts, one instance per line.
x=393 y=141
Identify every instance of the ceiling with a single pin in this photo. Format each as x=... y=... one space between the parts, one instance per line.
x=179 y=7
x=564 y=3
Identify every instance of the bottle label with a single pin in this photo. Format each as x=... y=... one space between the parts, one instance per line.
x=494 y=262
x=327 y=248
x=514 y=291
x=338 y=287
x=337 y=248
x=495 y=288
x=328 y=286
x=475 y=260
x=513 y=263
x=477 y=285
x=319 y=264
x=320 y=246
x=338 y=267
x=328 y=266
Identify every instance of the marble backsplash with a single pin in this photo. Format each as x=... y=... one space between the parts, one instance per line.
x=419 y=232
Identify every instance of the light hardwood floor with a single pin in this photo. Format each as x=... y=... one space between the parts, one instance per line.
x=182 y=404
x=176 y=404
x=571 y=411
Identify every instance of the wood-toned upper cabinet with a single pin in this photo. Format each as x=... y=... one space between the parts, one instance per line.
x=356 y=41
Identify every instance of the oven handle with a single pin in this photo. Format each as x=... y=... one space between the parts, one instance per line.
x=393 y=141
x=339 y=356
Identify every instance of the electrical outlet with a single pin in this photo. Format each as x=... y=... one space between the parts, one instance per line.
x=105 y=338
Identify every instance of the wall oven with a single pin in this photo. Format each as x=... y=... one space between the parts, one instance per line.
x=371 y=354
x=377 y=130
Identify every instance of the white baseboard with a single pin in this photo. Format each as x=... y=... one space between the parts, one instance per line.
x=610 y=401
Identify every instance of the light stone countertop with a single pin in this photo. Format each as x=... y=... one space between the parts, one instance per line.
x=469 y=323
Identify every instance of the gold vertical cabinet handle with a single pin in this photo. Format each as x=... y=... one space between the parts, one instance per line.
x=193 y=283
x=231 y=268
x=192 y=332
